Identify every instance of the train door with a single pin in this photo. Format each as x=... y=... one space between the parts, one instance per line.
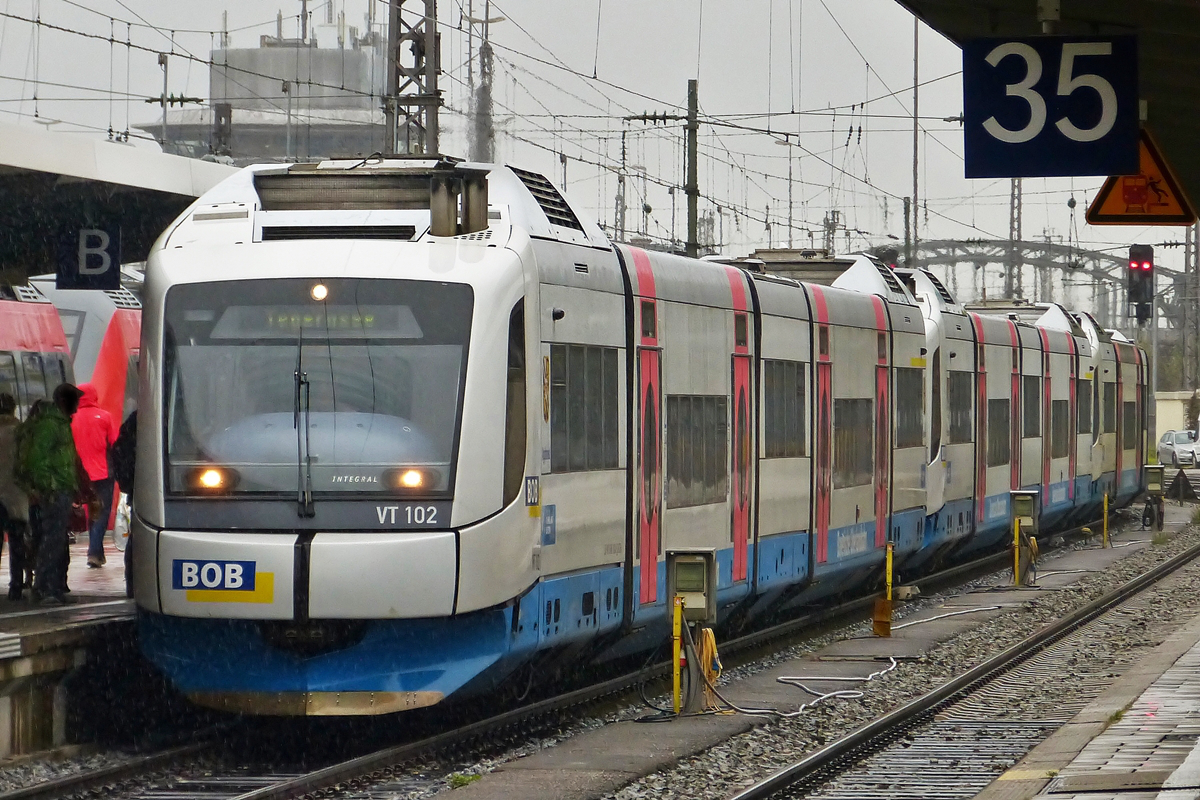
x=8 y=377
x=1047 y=417
x=1014 y=434
x=649 y=454
x=823 y=436
x=1117 y=421
x=1072 y=415
x=34 y=387
x=981 y=424
x=742 y=462
x=883 y=426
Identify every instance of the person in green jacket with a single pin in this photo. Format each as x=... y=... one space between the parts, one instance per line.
x=48 y=469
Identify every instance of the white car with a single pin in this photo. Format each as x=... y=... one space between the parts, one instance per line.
x=1178 y=448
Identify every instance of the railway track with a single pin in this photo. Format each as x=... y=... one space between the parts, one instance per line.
x=199 y=771
x=953 y=741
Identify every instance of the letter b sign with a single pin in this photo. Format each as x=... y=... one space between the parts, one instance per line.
x=89 y=258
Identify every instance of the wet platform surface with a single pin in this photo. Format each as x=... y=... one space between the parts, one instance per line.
x=97 y=596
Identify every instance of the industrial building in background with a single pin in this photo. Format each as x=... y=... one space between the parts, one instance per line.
x=325 y=92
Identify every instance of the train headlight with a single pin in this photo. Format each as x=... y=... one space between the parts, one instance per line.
x=319 y=292
x=411 y=479
x=213 y=480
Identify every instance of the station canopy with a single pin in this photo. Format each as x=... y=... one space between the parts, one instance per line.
x=54 y=182
x=1168 y=34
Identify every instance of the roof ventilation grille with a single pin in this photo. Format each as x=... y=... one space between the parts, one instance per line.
x=478 y=236
x=123 y=298
x=941 y=289
x=889 y=278
x=551 y=202
x=285 y=233
x=28 y=294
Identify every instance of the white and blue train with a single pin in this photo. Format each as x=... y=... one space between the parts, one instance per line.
x=411 y=425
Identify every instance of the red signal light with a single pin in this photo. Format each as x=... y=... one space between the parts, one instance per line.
x=1146 y=265
x=1133 y=265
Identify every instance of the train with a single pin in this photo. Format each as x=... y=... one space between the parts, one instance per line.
x=414 y=430
x=34 y=355
x=103 y=330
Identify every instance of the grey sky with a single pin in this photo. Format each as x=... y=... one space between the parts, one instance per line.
x=751 y=57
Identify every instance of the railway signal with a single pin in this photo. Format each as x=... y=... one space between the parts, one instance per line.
x=1141 y=281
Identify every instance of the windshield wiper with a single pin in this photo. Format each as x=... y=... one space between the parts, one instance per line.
x=304 y=498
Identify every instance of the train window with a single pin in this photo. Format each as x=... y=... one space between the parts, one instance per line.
x=577 y=403
x=960 y=391
x=649 y=321
x=8 y=377
x=35 y=379
x=1060 y=427
x=131 y=386
x=740 y=337
x=853 y=442
x=583 y=408
x=1031 y=406
x=999 y=420
x=72 y=322
x=1083 y=394
x=385 y=382
x=514 y=412
x=910 y=406
x=55 y=367
x=1110 y=408
x=697 y=450
x=783 y=408
x=823 y=340
x=1129 y=426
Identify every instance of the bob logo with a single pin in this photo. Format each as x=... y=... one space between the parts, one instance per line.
x=222 y=581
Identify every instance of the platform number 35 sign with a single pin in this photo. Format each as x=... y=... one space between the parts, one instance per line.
x=1050 y=105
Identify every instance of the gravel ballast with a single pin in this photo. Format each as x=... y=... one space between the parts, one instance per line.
x=744 y=760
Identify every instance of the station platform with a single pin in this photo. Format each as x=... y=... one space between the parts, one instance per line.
x=40 y=648
x=1139 y=740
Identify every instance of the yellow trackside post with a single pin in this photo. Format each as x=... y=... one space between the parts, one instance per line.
x=881 y=619
x=889 y=571
x=676 y=645
x=1016 y=552
x=1105 y=519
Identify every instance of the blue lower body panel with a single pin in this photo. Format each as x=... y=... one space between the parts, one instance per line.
x=944 y=531
x=423 y=655
x=1057 y=505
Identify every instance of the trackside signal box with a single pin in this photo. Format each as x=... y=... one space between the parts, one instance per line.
x=693 y=577
x=1025 y=509
x=1154 y=474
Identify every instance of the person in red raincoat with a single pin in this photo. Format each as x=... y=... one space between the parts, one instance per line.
x=95 y=432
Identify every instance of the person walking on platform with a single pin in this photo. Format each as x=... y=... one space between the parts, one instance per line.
x=14 y=503
x=124 y=456
x=95 y=432
x=48 y=468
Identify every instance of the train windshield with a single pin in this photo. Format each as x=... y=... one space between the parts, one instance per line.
x=351 y=385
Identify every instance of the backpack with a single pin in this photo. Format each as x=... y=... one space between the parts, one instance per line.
x=124 y=452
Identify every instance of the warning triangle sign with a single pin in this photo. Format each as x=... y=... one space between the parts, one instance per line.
x=1152 y=197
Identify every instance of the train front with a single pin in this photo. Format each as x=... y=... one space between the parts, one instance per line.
x=322 y=416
